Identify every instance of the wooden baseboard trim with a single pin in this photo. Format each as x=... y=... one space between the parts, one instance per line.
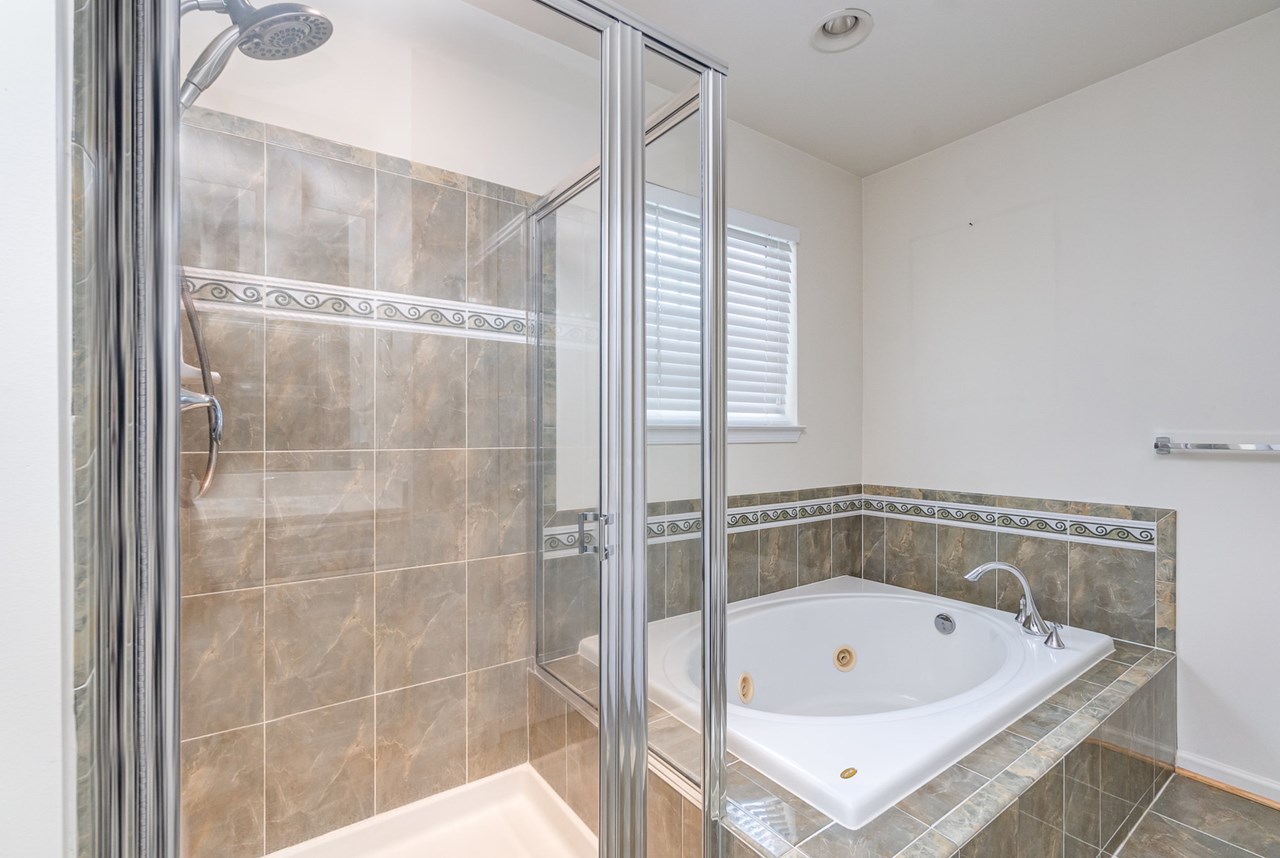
x=1194 y=776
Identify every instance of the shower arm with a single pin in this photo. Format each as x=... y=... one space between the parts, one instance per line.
x=201 y=6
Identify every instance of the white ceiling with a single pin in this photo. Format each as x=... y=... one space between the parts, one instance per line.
x=932 y=71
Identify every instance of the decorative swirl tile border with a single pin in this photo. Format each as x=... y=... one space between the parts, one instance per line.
x=367 y=306
x=1137 y=535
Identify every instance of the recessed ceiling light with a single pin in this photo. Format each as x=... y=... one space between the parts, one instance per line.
x=841 y=30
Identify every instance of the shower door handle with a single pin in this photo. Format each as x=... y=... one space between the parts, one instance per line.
x=594 y=518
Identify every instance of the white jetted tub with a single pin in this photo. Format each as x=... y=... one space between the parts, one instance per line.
x=850 y=674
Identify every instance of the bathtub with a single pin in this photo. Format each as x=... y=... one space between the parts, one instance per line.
x=847 y=675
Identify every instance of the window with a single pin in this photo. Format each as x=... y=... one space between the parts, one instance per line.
x=761 y=265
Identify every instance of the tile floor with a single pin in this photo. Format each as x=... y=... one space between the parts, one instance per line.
x=1193 y=820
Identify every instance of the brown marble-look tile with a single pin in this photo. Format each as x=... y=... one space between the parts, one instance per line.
x=960 y=549
x=911 y=554
x=1040 y=721
x=223 y=191
x=998 y=752
x=1220 y=814
x=221 y=660
x=1113 y=591
x=320 y=772
x=772 y=805
x=421 y=741
x=319 y=386
x=421 y=238
x=940 y=796
x=1082 y=794
x=222 y=811
x=496 y=256
x=884 y=836
x=999 y=839
x=421 y=390
x=319 y=514
x=421 y=508
x=684 y=576
x=1160 y=837
x=1165 y=722
x=691 y=831
x=497 y=719
x=931 y=844
x=664 y=820
x=779 y=558
x=547 y=741
x=571 y=603
x=655 y=570
x=422 y=625
x=744 y=565
x=846 y=545
x=1037 y=837
x=499 y=610
x=236 y=347
x=498 y=493
x=583 y=788
x=319 y=219
x=319 y=643
x=496 y=394
x=815 y=551
x=223 y=533
x=873 y=547
x=1104 y=672
x=976 y=813
x=1044 y=562
x=1043 y=799
x=329 y=149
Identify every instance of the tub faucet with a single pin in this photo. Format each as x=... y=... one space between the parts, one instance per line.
x=1028 y=616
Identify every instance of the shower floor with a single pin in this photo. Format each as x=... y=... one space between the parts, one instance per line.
x=512 y=814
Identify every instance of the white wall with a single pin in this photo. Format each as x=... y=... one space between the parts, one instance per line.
x=1044 y=297
x=31 y=349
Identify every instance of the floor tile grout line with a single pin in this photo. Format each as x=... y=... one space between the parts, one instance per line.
x=1141 y=819
x=1151 y=810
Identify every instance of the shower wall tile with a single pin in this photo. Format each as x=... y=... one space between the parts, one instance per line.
x=221 y=788
x=320 y=514
x=496 y=252
x=223 y=187
x=499 y=612
x=744 y=565
x=319 y=219
x=497 y=382
x=421 y=513
x=224 y=532
x=236 y=347
x=846 y=546
x=497 y=718
x=571 y=598
x=221 y=657
x=333 y=544
x=583 y=751
x=421 y=625
x=548 y=715
x=498 y=496
x=319 y=386
x=319 y=772
x=320 y=643
x=656 y=573
x=684 y=576
x=421 y=741
x=873 y=548
x=1113 y=591
x=421 y=238
x=421 y=390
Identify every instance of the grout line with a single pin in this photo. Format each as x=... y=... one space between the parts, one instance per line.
x=1141 y=819
x=1151 y=810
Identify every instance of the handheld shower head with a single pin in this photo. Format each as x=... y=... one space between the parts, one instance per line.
x=280 y=31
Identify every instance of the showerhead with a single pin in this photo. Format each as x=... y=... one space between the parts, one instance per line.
x=280 y=31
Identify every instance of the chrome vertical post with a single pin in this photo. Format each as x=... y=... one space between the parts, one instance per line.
x=623 y=727
x=715 y=575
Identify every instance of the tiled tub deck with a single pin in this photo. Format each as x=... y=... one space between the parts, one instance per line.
x=1071 y=778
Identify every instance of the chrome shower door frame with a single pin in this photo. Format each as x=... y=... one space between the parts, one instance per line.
x=135 y=733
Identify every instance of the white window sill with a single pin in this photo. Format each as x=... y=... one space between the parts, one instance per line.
x=667 y=433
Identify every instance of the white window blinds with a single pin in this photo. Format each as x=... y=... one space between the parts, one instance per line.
x=761 y=314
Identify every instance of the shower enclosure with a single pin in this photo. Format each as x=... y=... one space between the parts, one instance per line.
x=376 y=523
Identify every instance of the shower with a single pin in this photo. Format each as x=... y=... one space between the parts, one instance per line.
x=280 y=31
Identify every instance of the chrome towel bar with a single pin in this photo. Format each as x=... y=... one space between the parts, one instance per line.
x=1164 y=447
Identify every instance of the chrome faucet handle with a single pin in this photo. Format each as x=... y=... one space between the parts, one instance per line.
x=1022 y=611
x=1054 y=640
